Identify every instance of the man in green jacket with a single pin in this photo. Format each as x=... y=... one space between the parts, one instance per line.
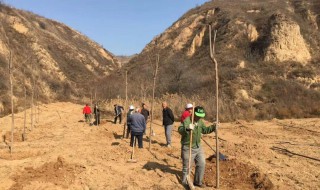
x=197 y=154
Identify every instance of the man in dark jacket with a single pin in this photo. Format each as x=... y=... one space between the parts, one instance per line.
x=96 y=112
x=118 y=111
x=145 y=112
x=167 y=121
x=137 y=126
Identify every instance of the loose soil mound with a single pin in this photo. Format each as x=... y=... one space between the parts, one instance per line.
x=59 y=173
x=236 y=175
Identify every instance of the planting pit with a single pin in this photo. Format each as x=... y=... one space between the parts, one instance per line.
x=236 y=175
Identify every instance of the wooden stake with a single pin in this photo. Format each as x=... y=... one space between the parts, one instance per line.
x=152 y=102
x=189 y=181
x=10 y=68
x=25 y=108
x=125 y=107
x=212 y=53
x=32 y=95
x=11 y=94
x=91 y=97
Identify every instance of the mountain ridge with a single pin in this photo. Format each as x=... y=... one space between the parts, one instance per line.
x=268 y=55
x=63 y=61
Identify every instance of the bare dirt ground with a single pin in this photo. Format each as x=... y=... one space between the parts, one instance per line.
x=61 y=152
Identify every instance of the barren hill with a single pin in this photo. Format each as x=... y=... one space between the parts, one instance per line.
x=59 y=62
x=62 y=152
x=268 y=55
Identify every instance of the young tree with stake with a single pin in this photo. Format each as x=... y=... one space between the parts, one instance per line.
x=10 y=70
x=25 y=108
x=153 y=92
x=212 y=53
x=125 y=107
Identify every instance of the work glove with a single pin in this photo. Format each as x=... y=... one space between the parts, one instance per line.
x=191 y=126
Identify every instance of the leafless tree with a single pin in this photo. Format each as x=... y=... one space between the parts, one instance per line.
x=125 y=106
x=25 y=108
x=10 y=69
x=212 y=56
x=153 y=92
x=32 y=94
x=11 y=97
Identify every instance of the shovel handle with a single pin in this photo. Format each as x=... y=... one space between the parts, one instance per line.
x=190 y=143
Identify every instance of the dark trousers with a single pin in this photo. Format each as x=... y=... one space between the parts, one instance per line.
x=137 y=135
x=128 y=130
x=87 y=118
x=97 y=117
x=120 y=118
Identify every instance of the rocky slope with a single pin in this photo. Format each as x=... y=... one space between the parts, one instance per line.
x=268 y=55
x=58 y=61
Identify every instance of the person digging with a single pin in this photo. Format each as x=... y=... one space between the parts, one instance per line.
x=196 y=128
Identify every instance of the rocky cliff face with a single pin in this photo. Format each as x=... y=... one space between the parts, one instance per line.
x=286 y=41
x=265 y=50
x=59 y=62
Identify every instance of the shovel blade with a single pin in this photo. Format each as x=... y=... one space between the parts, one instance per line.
x=190 y=183
x=132 y=161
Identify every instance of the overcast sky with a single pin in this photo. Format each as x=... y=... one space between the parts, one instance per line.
x=123 y=27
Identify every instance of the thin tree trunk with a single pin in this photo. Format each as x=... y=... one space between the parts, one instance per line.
x=91 y=99
x=125 y=106
x=152 y=102
x=36 y=95
x=38 y=107
x=212 y=53
x=25 y=109
x=10 y=64
x=35 y=105
x=32 y=95
x=11 y=94
x=38 y=92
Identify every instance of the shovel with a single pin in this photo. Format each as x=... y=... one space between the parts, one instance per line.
x=189 y=181
x=132 y=160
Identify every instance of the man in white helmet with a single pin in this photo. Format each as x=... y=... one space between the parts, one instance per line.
x=187 y=112
x=131 y=111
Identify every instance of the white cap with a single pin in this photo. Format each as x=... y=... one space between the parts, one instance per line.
x=131 y=107
x=189 y=106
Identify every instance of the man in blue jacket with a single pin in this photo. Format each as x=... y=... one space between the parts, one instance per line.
x=137 y=126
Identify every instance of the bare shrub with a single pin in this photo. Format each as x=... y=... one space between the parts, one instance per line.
x=42 y=25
